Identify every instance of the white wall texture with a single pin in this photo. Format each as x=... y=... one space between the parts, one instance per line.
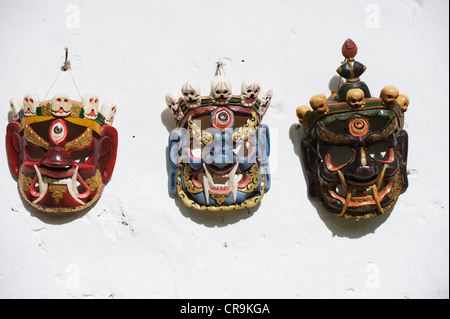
x=137 y=241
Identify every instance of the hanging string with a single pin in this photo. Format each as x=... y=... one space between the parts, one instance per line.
x=52 y=85
x=219 y=68
x=65 y=67
x=75 y=84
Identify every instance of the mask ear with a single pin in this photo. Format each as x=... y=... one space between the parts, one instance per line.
x=108 y=152
x=175 y=146
x=13 y=146
x=309 y=157
x=264 y=153
x=402 y=152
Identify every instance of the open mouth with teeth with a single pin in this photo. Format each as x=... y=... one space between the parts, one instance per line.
x=66 y=190
x=208 y=189
x=362 y=200
x=220 y=183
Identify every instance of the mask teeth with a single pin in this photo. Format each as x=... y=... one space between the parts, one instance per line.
x=72 y=187
x=347 y=202
x=341 y=176
x=206 y=188
x=233 y=182
x=380 y=179
x=208 y=175
x=43 y=187
x=377 y=200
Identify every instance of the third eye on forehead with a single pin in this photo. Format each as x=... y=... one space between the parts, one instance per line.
x=377 y=123
x=73 y=130
x=204 y=121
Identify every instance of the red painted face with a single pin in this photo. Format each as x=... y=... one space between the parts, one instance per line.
x=62 y=165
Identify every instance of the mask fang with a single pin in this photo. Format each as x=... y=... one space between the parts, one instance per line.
x=377 y=200
x=347 y=202
x=380 y=179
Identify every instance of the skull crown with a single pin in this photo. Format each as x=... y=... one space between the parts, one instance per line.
x=355 y=148
x=62 y=106
x=220 y=94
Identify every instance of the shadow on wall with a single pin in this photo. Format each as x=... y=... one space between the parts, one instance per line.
x=341 y=227
x=54 y=218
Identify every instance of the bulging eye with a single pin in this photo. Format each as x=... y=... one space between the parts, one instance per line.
x=338 y=157
x=223 y=117
x=245 y=148
x=58 y=132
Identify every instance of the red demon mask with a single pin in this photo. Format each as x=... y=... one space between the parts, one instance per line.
x=63 y=157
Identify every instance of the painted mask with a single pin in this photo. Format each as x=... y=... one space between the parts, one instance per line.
x=62 y=158
x=355 y=149
x=218 y=154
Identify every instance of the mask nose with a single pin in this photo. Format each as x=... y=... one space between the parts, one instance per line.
x=362 y=168
x=57 y=159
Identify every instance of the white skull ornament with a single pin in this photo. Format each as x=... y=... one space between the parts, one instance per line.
x=109 y=110
x=90 y=106
x=61 y=105
x=173 y=100
x=30 y=103
x=221 y=90
x=16 y=106
x=266 y=98
x=250 y=89
x=191 y=94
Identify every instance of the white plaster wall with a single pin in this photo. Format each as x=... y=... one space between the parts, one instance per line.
x=137 y=241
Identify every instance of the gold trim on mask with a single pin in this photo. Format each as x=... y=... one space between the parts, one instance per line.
x=95 y=181
x=33 y=137
x=83 y=122
x=197 y=133
x=82 y=141
x=386 y=132
x=331 y=138
x=57 y=191
x=248 y=129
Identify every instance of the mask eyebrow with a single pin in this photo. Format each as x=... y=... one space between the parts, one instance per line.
x=248 y=129
x=386 y=132
x=197 y=133
x=333 y=138
x=81 y=141
x=32 y=137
